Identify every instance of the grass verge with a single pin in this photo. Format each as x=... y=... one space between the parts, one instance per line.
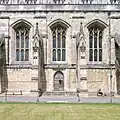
x=59 y=111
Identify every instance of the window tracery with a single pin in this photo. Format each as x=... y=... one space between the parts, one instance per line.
x=114 y=1
x=30 y=1
x=95 y=43
x=87 y=1
x=4 y=1
x=58 y=1
x=58 y=37
x=22 y=44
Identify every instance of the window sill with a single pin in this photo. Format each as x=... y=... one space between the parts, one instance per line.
x=20 y=64
x=59 y=62
x=95 y=62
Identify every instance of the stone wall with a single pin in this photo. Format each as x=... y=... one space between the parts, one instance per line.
x=97 y=73
x=22 y=79
x=100 y=79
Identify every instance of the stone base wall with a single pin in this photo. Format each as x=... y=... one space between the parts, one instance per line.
x=69 y=79
x=22 y=79
x=27 y=80
x=100 y=79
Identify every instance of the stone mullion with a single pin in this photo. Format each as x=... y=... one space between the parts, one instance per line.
x=93 y=45
x=61 y=44
x=19 y=45
x=24 y=44
x=101 y=44
x=56 y=44
x=27 y=42
x=65 y=45
x=16 y=44
x=98 y=48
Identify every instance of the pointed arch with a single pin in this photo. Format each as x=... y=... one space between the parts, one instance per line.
x=58 y=81
x=22 y=39
x=59 y=31
x=59 y=73
x=20 y=22
x=59 y=22
x=96 y=28
x=97 y=22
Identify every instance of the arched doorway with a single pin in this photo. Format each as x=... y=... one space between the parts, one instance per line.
x=58 y=81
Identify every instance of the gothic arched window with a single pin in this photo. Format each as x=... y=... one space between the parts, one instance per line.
x=59 y=38
x=95 y=43
x=22 y=43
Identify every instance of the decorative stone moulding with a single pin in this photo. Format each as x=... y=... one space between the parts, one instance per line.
x=115 y=1
x=4 y=1
x=30 y=1
x=60 y=2
x=87 y=1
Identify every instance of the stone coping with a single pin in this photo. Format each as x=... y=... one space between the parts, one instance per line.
x=59 y=7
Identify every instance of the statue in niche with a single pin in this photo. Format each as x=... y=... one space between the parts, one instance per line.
x=80 y=36
x=82 y=50
x=82 y=47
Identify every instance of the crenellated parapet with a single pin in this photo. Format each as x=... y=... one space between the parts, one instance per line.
x=60 y=2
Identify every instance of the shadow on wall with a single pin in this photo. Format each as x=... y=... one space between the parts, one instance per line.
x=41 y=71
x=118 y=81
x=117 y=62
x=3 y=66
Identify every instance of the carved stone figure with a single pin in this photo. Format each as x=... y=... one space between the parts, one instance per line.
x=82 y=47
x=79 y=35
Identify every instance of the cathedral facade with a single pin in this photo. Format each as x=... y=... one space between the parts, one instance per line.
x=60 y=45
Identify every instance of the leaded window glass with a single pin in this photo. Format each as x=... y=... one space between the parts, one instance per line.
x=54 y=54
x=59 y=38
x=95 y=43
x=63 y=55
x=22 y=44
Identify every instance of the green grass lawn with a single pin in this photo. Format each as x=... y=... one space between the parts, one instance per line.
x=31 y=111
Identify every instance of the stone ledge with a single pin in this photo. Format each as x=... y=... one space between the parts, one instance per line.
x=60 y=7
